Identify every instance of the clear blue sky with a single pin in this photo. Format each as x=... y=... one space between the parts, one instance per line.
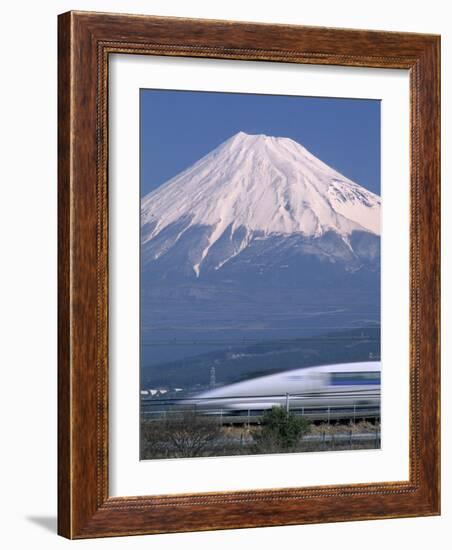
x=179 y=127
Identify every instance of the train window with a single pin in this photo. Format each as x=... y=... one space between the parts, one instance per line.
x=355 y=378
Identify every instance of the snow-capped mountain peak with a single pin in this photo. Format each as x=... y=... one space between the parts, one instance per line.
x=254 y=187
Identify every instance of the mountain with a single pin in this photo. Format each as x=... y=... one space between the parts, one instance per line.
x=261 y=195
x=259 y=239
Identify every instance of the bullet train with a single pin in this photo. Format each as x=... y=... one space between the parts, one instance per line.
x=342 y=385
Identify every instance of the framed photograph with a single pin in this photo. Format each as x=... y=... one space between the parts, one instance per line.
x=248 y=275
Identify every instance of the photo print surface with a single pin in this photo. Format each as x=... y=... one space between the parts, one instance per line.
x=259 y=274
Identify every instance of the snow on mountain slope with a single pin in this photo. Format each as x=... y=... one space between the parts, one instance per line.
x=252 y=187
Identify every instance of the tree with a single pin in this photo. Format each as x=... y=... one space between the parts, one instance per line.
x=182 y=434
x=281 y=430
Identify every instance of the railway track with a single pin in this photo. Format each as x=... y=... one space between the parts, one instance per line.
x=248 y=417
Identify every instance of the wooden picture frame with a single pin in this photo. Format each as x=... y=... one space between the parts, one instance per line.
x=85 y=508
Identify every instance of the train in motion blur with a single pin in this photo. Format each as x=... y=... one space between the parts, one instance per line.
x=343 y=387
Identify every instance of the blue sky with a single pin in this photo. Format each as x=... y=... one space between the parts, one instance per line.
x=179 y=127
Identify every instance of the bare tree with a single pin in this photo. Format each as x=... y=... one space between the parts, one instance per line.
x=182 y=434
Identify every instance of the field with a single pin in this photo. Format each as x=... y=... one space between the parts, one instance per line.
x=190 y=435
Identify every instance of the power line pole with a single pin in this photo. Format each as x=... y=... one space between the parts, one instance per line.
x=212 y=377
